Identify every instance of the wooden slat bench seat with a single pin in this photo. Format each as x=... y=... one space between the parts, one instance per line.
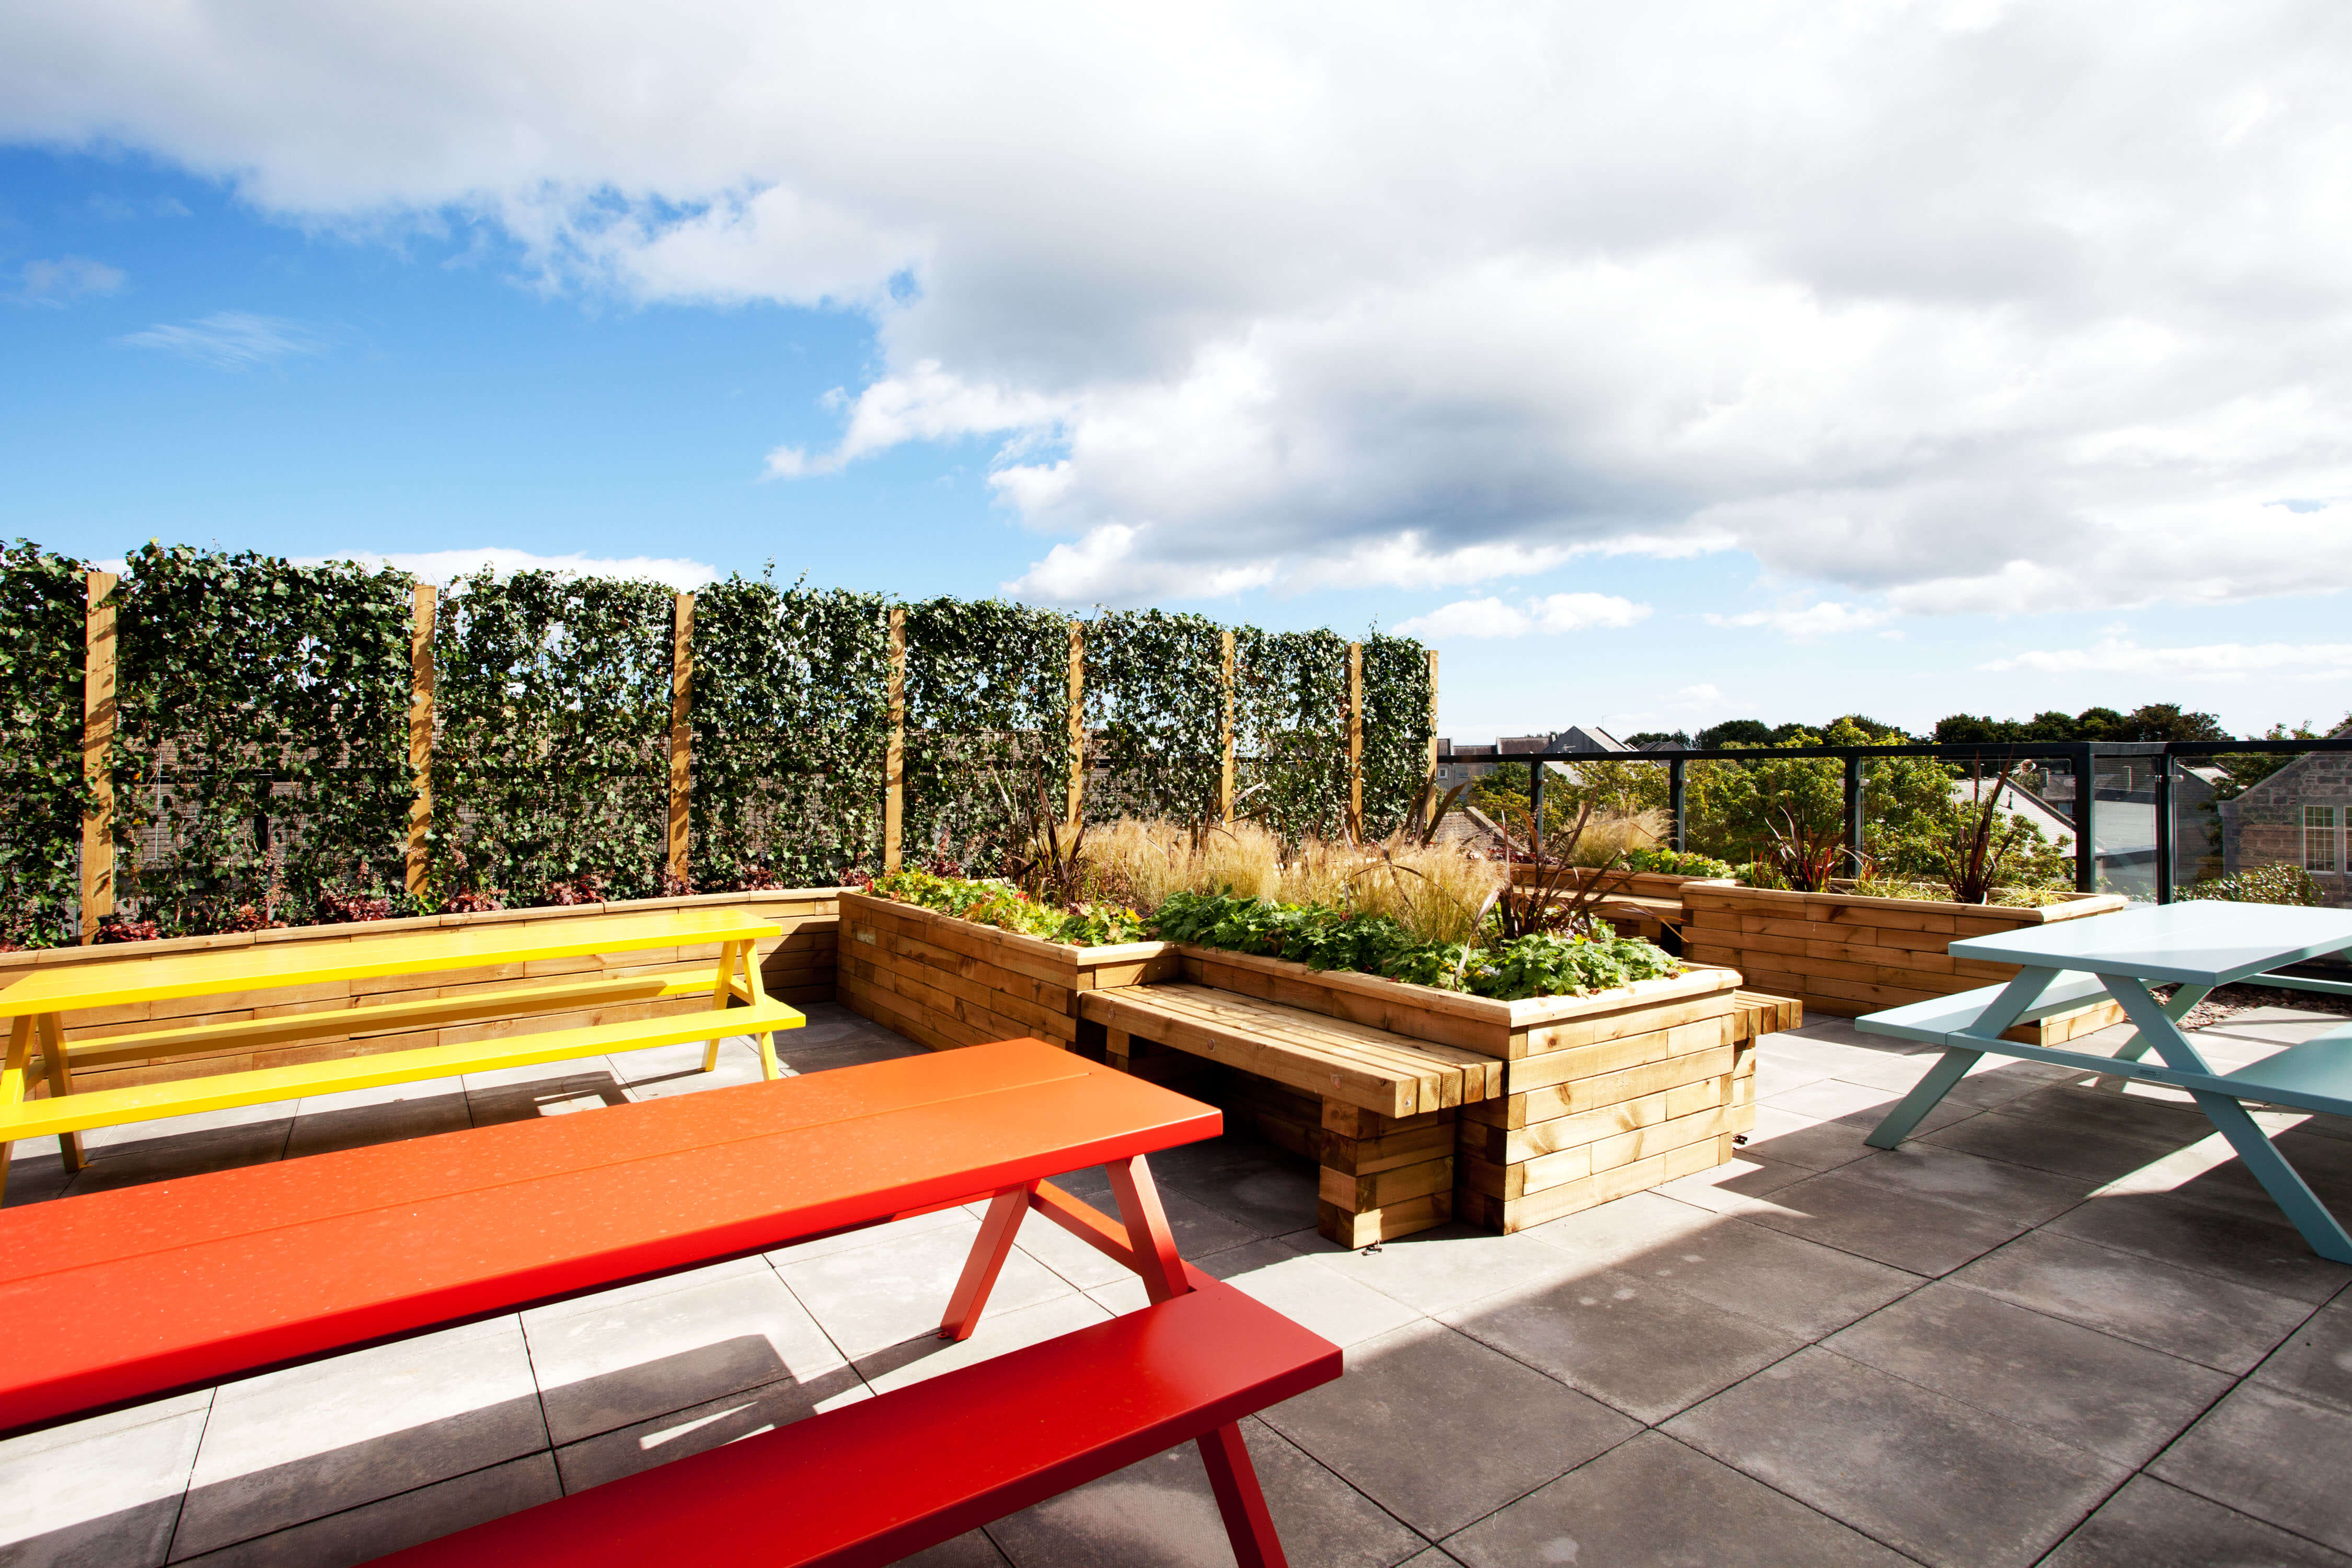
x=1388 y=1105
x=1755 y=1014
x=889 y=1476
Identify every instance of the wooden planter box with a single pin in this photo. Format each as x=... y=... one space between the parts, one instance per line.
x=796 y=967
x=1846 y=955
x=946 y=982
x=1603 y=1095
x=1648 y=904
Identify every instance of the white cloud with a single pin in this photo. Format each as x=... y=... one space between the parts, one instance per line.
x=231 y=340
x=1700 y=693
x=1552 y=613
x=448 y=565
x=65 y=279
x=1812 y=622
x=2219 y=661
x=1330 y=294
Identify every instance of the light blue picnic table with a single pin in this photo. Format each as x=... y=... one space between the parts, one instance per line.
x=2194 y=946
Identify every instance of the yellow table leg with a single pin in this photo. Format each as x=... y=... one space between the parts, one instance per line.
x=12 y=1085
x=722 y=992
x=758 y=994
x=60 y=1080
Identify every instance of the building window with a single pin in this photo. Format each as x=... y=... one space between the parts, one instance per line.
x=2322 y=840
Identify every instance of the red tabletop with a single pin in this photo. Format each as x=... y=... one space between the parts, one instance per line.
x=124 y=1295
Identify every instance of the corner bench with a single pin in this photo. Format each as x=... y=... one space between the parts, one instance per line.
x=1388 y=1107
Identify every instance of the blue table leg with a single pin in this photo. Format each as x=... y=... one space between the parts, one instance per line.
x=2280 y=1180
x=1898 y=1123
x=2183 y=999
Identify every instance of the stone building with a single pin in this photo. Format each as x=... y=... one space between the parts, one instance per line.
x=2299 y=814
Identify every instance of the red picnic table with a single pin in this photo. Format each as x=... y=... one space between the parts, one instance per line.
x=145 y=1290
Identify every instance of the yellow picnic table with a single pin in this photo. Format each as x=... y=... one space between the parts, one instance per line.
x=37 y=1007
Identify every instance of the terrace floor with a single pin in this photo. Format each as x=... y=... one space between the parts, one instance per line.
x=2062 y=1326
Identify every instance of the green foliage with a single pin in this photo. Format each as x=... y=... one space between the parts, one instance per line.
x=988 y=702
x=1952 y=844
x=1290 y=692
x=1764 y=810
x=790 y=712
x=41 y=791
x=551 y=755
x=1008 y=908
x=2282 y=882
x=1667 y=862
x=260 y=751
x=1397 y=730
x=2154 y=722
x=1541 y=964
x=1155 y=715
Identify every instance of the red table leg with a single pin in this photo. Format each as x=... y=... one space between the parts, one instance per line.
x=990 y=1248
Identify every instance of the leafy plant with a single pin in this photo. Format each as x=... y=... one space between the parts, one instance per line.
x=2280 y=882
x=41 y=791
x=1662 y=862
x=992 y=903
x=1546 y=892
x=1973 y=847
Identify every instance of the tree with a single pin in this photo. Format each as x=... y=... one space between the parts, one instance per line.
x=1648 y=737
x=2166 y=722
x=2099 y=724
x=1735 y=732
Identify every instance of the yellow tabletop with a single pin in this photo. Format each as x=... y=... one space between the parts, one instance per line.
x=206 y=973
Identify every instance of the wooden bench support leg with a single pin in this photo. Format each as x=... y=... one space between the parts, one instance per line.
x=990 y=1248
x=1383 y=1176
x=53 y=1055
x=1235 y=1481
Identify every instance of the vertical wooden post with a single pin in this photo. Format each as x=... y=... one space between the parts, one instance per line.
x=1429 y=764
x=97 y=753
x=1355 y=740
x=681 y=729
x=1077 y=721
x=894 y=756
x=1225 y=785
x=423 y=600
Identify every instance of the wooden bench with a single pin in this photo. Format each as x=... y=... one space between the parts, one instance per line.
x=1387 y=1106
x=37 y=1005
x=1755 y=1014
x=148 y=1289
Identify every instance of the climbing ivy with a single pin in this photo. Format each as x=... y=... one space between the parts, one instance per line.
x=551 y=745
x=1155 y=716
x=1397 y=730
x=41 y=600
x=791 y=714
x=1291 y=726
x=988 y=702
x=260 y=743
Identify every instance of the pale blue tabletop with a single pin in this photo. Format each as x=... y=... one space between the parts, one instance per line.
x=2200 y=943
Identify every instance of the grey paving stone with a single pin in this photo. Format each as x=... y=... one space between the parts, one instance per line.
x=2177 y=1311
x=1774 y=1078
x=520 y=1101
x=293 y=1446
x=1065 y=1254
x=1435 y=1557
x=1654 y=1503
x=2076 y=1108
x=1830 y=1098
x=394 y=1523
x=872 y=1297
x=2316 y=1361
x=621 y=1357
x=972 y=1549
x=36 y=1173
x=1990 y=1186
x=1731 y=1186
x=872 y=1236
x=1441 y=1430
x=2117 y=1399
x=1160 y=1513
x=1449 y=1266
x=1922 y=1235
x=102 y=1140
x=158 y=1156
x=2270 y=1454
x=2151 y=1525
x=913 y=1360
x=323 y=1130
x=1631 y=1342
x=1250 y=1183
x=2090 y=1154
x=101 y=1493
x=1784 y=1282
x=625 y=1450
x=1310 y=1293
x=1938 y=1479
x=2265 y=1253
x=1817 y=1143
x=1613 y=1234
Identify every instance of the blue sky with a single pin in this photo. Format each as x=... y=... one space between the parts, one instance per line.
x=1647 y=463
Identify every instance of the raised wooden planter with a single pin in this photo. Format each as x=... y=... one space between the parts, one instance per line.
x=946 y=982
x=1647 y=904
x=1603 y=1095
x=1847 y=955
x=797 y=967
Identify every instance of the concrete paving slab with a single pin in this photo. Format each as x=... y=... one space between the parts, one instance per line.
x=2151 y=1525
x=1441 y=1430
x=1448 y=1266
x=1000 y=1329
x=321 y=1132
x=1990 y=1186
x=1830 y=1098
x=1610 y=1233
x=1633 y=1344
x=2263 y=1252
x=2194 y=1316
x=2269 y=1454
x=2094 y=1156
x=158 y=1155
x=1817 y=1143
x=1652 y=1502
x=102 y=1492
x=698 y=1429
x=1938 y=1480
x=2315 y=1360
x=1798 y=1287
x=2121 y=1401
x=1903 y=1230
x=972 y=1549
x=1730 y=1186
x=870 y=1298
x=392 y=1524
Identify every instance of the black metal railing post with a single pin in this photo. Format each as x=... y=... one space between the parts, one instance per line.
x=2164 y=830
x=1678 y=802
x=1536 y=770
x=2087 y=849
x=1853 y=866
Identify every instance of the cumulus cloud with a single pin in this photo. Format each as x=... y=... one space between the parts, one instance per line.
x=1961 y=306
x=448 y=565
x=2221 y=661
x=1810 y=622
x=1552 y=613
x=61 y=281
x=231 y=340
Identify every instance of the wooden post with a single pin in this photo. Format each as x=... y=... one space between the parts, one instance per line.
x=894 y=756
x=1355 y=740
x=1429 y=764
x=1225 y=785
x=423 y=599
x=681 y=729
x=97 y=753
x=1077 y=721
